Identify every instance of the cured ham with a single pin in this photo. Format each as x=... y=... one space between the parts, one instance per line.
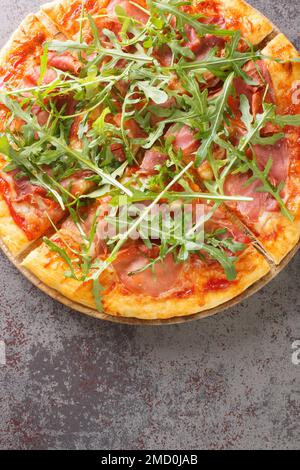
x=32 y=77
x=201 y=46
x=65 y=62
x=29 y=205
x=279 y=153
x=151 y=160
x=208 y=42
x=132 y=127
x=259 y=74
x=164 y=55
x=236 y=185
x=78 y=183
x=94 y=218
x=131 y=10
x=154 y=282
x=184 y=139
x=41 y=115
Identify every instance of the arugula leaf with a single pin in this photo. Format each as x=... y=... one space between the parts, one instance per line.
x=4 y=145
x=173 y=7
x=227 y=262
x=247 y=119
x=97 y=292
x=152 y=93
x=220 y=107
x=62 y=253
x=287 y=120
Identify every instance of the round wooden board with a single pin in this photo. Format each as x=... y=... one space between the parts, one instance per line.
x=275 y=270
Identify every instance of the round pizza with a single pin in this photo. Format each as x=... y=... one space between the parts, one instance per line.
x=149 y=152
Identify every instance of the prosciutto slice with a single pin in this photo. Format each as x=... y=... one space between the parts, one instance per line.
x=65 y=62
x=259 y=74
x=41 y=115
x=149 y=282
x=98 y=246
x=279 y=154
x=28 y=204
x=152 y=159
x=207 y=43
x=185 y=139
x=131 y=10
x=32 y=77
x=235 y=185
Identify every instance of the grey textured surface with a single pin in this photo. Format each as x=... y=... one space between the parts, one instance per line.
x=224 y=382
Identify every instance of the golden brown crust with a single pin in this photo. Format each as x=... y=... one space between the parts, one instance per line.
x=277 y=235
x=13 y=237
x=254 y=26
x=24 y=49
x=210 y=288
x=251 y=267
x=65 y=14
x=283 y=75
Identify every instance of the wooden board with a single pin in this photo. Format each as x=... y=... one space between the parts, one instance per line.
x=275 y=270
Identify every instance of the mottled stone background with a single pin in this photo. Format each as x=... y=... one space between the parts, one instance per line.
x=224 y=382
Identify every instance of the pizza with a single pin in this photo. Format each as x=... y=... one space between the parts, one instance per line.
x=149 y=152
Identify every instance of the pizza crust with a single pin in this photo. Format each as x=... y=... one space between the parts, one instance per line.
x=254 y=26
x=251 y=267
x=283 y=75
x=65 y=14
x=50 y=269
x=25 y=47
x=13 y=237
x=17 y=39
x=278 y=236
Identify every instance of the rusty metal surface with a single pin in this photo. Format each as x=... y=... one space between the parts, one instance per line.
x=224 y=382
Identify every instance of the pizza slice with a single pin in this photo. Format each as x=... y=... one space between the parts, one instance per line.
x=153 y=277
x=20 y=55
x=271 y=173
x=27 y=208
